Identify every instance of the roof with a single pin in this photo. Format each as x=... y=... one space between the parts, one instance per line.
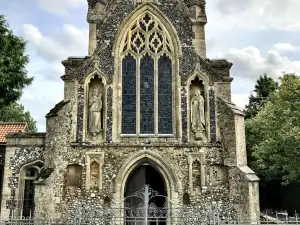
x=7 y=128
x=53 y=112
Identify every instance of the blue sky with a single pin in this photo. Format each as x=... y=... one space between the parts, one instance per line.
x=258 y=36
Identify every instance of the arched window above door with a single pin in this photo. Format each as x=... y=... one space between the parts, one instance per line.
x=147 y=78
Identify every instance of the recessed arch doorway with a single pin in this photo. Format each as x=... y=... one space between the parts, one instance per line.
x=145 y=189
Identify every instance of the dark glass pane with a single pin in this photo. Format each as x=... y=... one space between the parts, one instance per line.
x=165 y=95
x=32 y=172
x=28 y=203
x=128 y=95
x=147 y=95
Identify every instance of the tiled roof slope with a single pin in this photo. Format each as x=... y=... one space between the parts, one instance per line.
x=6 y=128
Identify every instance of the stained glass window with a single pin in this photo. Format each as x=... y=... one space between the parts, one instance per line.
x=147 y=95
x=147 y=69
x=129 y=95
x=164 y=95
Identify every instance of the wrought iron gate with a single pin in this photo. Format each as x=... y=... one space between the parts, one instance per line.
x=144 y=210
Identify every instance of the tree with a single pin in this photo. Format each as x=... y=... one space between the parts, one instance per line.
x=275 y=133
x=13 y=77
x=15 y=112
x=13 y=61
x=263 y=88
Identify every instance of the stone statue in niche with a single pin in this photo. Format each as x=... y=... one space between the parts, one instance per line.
x=198 y=114
x=94 y=176
x=95 y=112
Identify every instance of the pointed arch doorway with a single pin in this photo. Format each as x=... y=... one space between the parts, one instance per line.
x=145 y=197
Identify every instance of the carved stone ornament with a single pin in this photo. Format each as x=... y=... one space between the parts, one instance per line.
x=197 y=168
x=94 y=163
x=198 y=115
x=95 y=173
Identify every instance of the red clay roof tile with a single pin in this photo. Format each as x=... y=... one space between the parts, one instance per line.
x=6 y=128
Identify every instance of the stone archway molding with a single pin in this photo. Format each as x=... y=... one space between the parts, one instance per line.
x=173 y=184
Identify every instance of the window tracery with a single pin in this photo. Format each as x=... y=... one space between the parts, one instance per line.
x=147 y=78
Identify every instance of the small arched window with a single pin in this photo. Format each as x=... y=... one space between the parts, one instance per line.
x=147 y=78
x=31 y=175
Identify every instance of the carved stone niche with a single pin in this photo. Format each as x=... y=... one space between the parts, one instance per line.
x=94 y=163
x=196 y=174
x=218 y=174
x=95 y=110
x=198 y=111
x=197 y=168
x=186 y=199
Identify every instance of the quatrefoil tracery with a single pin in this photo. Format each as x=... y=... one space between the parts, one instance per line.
x=147 y=35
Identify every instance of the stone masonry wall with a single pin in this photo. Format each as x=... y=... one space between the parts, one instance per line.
x=22 y=150
x=65 y=201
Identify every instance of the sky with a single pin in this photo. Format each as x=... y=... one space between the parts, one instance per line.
x=257 y=36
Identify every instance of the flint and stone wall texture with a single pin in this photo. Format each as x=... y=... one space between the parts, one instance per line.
x=226 y=181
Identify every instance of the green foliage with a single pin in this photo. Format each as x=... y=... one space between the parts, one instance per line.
x=16 y=113
x=13 y=61
x=263 y=88
x=13 y=77
x=274 y=133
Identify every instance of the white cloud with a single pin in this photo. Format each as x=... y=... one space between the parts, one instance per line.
x=46 y=54
x=40 y=97
x=256 y=14
x=60 y=6
x=250 y=63
x=284 y=47
x=241 y=100
x=69 y=40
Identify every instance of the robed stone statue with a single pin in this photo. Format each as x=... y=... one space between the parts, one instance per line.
x=95 y=110
x=198 y=114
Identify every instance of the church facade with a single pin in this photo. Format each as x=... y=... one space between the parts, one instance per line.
x=146 y=110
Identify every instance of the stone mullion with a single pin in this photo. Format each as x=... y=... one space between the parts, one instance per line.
x=138 y=97
x=156 y=96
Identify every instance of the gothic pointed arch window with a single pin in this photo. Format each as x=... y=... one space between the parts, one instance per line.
x=147 y=78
